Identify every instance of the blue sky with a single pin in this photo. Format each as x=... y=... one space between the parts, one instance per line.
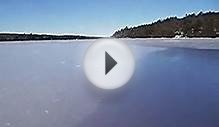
x=91 y=17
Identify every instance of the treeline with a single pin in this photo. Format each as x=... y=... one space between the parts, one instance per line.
x=192 y=25
x=25 y=37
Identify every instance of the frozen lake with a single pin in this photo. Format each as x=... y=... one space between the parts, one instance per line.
x=176 y=84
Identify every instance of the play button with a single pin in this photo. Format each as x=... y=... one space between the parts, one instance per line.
x=108 y=64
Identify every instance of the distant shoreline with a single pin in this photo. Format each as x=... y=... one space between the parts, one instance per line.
x=13 y=37
x=41 y=37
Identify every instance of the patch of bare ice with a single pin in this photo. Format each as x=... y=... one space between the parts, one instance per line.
x=7 y=124
x=78 y=65
x=46 y=111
